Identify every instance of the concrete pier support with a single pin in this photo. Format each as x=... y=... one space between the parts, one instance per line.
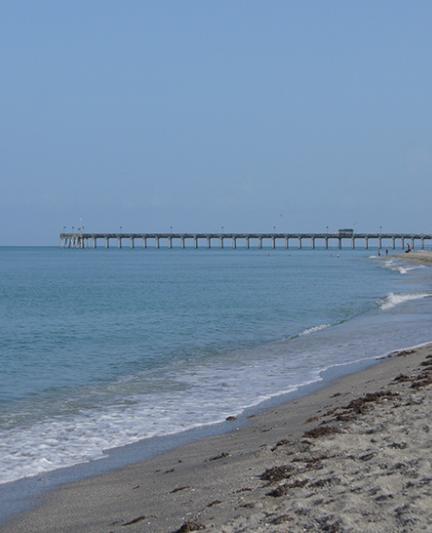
x=183 y=242
x=273 y=242
x=157 y=242
x=394 y=243
x=247 y=243
x=300 y=243
x=95 y=243
x=340 y=243
x=260 y=243
x=120 y=242
x=367 y=243
x=403 y=243
x=413 y=243
x=196 y=242
x=107 y=242
x=132 y=242
x=422 y=244
x=222 y=242
x=145 y=242
x=353 y=243
x=286 y=243
x=313 y=243
x=170 y=242
x=234 y=242
x=380 y=243
x=327 y=243
x=208 y=242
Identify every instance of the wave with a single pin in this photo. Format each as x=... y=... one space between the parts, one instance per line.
x=314 y=329
x=405 y=270
x=392 y=300
x=391 y=264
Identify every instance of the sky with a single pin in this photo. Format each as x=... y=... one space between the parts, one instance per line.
x=197 y=115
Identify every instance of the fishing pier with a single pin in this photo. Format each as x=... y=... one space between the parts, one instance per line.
x=337 y=240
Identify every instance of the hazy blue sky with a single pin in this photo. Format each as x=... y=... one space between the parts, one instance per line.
x=198 y=114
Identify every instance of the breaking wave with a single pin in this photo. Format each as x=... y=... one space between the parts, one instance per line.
x=392 y=300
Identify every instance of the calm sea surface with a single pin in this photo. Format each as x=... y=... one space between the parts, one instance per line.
x=101 y=348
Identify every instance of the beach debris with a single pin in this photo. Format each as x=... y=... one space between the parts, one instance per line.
x=231 y=418
x=277 y=473
x=312 y=419
x=422 y=380
x=402 y=378
x=280 y=519
x=398 y=445
x=220 y=456
x=247 y=505
x=322 y=431
x=404 y=515
x=178 y=489
x=283 y=490
x=359 y=405
x=244 y=489
x=169 y=471
x=214 y=502
x=324 y=482
x=326 y=525
x=367 y=456
x=314 y=463
x=190 y=525
x=282 y=442
x=134 y=520
x=403 y=353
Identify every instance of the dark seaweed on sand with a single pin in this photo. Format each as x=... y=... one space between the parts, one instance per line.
x=321 y=431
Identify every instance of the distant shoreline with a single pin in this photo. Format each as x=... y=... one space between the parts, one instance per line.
x=419 y=256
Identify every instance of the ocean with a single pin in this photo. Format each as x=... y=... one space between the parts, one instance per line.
x=104 y=348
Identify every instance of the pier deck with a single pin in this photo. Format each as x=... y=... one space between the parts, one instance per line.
x=248 y=240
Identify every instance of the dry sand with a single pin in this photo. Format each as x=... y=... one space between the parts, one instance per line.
x=355 y=456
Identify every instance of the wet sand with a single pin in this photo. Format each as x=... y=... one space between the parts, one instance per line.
x=354 y=456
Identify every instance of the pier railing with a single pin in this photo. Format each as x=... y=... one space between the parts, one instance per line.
x=246 y=240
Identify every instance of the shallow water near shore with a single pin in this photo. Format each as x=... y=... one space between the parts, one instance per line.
x=101 y=349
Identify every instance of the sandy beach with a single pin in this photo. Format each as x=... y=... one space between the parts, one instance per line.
x=420 y=256
x=354 y=456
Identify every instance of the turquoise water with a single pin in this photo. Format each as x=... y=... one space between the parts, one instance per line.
x=101 y=348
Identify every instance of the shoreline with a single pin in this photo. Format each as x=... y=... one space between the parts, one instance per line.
x=176 y=477
x=38 y=486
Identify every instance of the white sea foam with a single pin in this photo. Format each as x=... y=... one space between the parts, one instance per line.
x=406 y=269
x=314 y=329
x=198 y=396
x=206 y=395
x=392 y=300
x=401 y=268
